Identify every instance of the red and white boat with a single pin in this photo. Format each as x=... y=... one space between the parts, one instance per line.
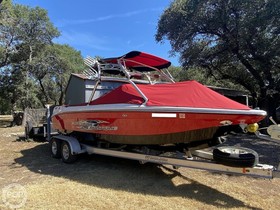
x=146 y=112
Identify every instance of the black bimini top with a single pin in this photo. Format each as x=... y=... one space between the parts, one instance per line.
x=140 y=61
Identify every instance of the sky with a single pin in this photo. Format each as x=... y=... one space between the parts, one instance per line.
x=107 y=28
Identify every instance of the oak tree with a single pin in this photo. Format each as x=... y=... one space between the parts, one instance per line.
x=233 y=40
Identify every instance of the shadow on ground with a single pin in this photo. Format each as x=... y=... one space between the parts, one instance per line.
x=128 y=175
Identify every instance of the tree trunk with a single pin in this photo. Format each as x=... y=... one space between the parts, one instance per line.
x=269 y=104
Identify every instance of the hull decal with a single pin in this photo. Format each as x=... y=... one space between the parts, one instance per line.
x=97 y=125
x=164 y=115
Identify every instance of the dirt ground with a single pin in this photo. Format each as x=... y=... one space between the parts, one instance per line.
x=31 y=179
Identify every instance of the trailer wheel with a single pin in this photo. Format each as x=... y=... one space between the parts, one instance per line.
x=236 y=156
x=55 y=148
x=66 y=154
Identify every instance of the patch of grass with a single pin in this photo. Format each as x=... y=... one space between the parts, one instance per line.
x=100 y=182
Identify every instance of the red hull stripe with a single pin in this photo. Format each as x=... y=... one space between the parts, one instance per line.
x=60 y=120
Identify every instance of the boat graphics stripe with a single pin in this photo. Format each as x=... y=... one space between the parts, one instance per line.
x=164 y=115
x=60 y=121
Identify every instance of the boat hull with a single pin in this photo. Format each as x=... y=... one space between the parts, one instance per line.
x=141 y=125
x=161 y=139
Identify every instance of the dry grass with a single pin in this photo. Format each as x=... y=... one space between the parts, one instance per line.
x=98 y=182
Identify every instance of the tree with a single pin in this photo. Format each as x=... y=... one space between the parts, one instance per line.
x=33 y=70
x=7 y=32
x=51 y=69
x=24 y=32
x=235 y=40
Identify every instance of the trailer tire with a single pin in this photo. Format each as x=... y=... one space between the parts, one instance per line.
x=55 y=145
x=236 y=156
x=66 y=153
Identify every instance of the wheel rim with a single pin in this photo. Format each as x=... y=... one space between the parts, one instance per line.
x=65 y=152
x=54 y=147
x=235 y=151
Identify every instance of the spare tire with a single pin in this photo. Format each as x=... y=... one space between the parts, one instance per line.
x=236 y=156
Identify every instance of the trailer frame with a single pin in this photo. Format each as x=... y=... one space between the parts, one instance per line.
x=178 y=159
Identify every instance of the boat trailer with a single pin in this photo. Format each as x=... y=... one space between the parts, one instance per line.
x=68 y=148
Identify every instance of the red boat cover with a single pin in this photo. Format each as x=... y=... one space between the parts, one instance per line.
x=180 y=94
x=140 y=61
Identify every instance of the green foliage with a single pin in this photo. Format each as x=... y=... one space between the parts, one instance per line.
x=201 y=75
x=33 y=70
x=232 y=40
x=51 y=70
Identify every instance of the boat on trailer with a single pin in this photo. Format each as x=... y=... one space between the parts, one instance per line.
x=155 y=119
x=142 y=105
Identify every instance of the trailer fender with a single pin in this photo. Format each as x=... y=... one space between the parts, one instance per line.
x=74 y=144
